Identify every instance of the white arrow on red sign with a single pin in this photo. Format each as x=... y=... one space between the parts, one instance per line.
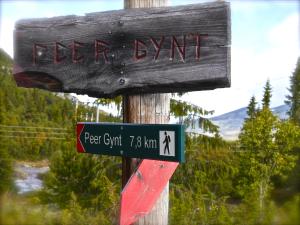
x=79 y=129
x=144 y=188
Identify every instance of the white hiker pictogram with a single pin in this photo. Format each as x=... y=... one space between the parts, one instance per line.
x=167 y=143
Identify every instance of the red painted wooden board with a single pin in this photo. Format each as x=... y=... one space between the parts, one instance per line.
x=144 y=188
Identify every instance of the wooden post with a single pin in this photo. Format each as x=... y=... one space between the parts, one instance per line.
x=147 y=108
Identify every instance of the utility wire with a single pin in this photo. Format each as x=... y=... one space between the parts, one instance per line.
x=29 y=127
x=33 y=132
x=12 y=136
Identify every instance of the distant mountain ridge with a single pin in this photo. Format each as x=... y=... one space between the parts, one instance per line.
x=231 y=123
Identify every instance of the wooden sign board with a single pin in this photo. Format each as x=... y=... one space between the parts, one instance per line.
x=170 y=49
x=144 y=141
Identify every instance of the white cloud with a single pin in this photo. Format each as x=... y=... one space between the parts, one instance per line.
x=251 y=6
x=252 y=67
x=32 y=5
x=6 y=35
x=286 y=34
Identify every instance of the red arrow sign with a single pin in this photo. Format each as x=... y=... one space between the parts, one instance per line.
x=79 y=129
x=144 y=188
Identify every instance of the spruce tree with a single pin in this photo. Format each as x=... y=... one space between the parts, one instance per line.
x=267 y=150
x=252 y=109
x=248 y=131
x=267 y=95
x=293 y=100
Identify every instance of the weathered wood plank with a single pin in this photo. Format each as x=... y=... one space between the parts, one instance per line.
x=149 y=108
x=168 y=49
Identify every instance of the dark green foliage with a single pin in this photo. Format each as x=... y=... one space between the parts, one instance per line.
x=248 y=129
x=293 y=100
x=267 y=156
x=84 y=177
x=252 y=108
x=28 y=116
x=189 y=113
x=201 y=186
x=117 y=101
x=5 y=159
x=83 y=185
x=35 y=123
x=267 y=95
x=5 y=170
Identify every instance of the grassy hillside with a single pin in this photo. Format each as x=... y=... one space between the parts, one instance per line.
x=33 y=122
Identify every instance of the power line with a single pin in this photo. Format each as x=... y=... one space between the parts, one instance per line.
x=29 y=127
x=33 y=132
x=12 y=136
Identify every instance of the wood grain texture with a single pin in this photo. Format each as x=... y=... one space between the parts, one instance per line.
x=144 y=4
x=122 y=73
x=147 y=108
x=150 y=108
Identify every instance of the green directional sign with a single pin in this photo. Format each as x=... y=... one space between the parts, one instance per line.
x=145 y=141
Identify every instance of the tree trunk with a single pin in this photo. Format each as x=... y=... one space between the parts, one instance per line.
x=262 y=195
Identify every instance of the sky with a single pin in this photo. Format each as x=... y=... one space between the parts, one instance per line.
x=265 y=44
